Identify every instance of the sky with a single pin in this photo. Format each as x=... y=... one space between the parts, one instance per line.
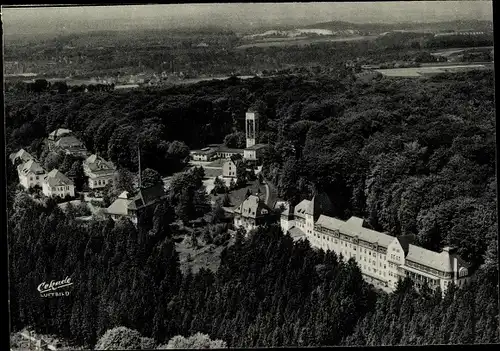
x=234 y=16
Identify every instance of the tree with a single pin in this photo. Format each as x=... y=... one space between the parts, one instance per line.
x=241 y=174
x=236 y=140
x=77 y=174
x=219 y=186
x=226 y=200
x=150 y=177
x=119 y=338
x=196 y=341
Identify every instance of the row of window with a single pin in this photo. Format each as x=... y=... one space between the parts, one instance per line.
x=101 y=181
x=60 y=188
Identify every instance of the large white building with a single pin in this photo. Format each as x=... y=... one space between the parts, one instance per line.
x=56 y=183
x=99 y=171
x=30 y=174
x=382 y=258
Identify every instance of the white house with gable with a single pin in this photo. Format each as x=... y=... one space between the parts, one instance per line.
x=30 y=174
x=56 y=183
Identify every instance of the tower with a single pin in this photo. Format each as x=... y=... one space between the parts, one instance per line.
x=251 y=127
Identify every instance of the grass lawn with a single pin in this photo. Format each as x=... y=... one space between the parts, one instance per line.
x=213 y=172
x=238 y=195
x=216 y=163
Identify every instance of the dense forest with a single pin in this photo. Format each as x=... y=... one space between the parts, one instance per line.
x=411 y=156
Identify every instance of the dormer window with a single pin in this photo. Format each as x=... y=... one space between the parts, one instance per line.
x=462 y=272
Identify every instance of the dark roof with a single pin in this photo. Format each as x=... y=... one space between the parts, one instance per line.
x=236 y=157
x=147 y=196
x=224 y=148
x=257 y=147
x=68 y=141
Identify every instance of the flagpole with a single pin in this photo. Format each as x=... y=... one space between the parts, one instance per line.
x=139 y=156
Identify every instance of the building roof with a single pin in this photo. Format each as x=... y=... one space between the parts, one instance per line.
x=286 y=204
x=253 y=207
x=22 y=154
x=59 y=133
x=224 y=148
x=303 y=208
x=30 y=167
x=236 y=158
x=119 y=207
x=97 y=163
x=68 y=141
x=296 y=233
x=57 y=178
x=354 y=227
x=257 y=147
x=437 y=260
x=147 y=196
x=205 y=151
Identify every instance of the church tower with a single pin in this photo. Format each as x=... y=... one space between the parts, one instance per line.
x=251 y=127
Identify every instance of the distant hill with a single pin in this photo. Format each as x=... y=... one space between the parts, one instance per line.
x=377 y=28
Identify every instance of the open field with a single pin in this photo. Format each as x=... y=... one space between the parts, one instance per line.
x=415 y=72
x=216 y=163
x=308 y=41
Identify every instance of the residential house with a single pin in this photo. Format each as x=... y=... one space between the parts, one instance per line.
x=252 y=213
x=99 y=171
x=30 y=174
x=71 y=145
x=229 y=167
x=55 y=183
x=22 y=155
x=130 y=206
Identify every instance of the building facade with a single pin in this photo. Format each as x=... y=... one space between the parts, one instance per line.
x=229 y=167
x=30 y=174
x=252 y=213
x=99 y=171
x=382 y=259
x=56 y=183
x=126 y=206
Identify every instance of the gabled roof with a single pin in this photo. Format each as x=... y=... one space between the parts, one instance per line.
x=253 y=207
x=68 y=141
x=30 y=167
x=147 y=196
x=57 y=178
x=354 y=227
x=59 y=133
x=119 y=207
x=437 y=260
x=22 y=154
x=296 y=233
x=97 y=163
x=303 y=208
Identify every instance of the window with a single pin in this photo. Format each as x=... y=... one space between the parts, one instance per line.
x=31 y=178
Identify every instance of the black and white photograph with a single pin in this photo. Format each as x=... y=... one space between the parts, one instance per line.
x=250 y=175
